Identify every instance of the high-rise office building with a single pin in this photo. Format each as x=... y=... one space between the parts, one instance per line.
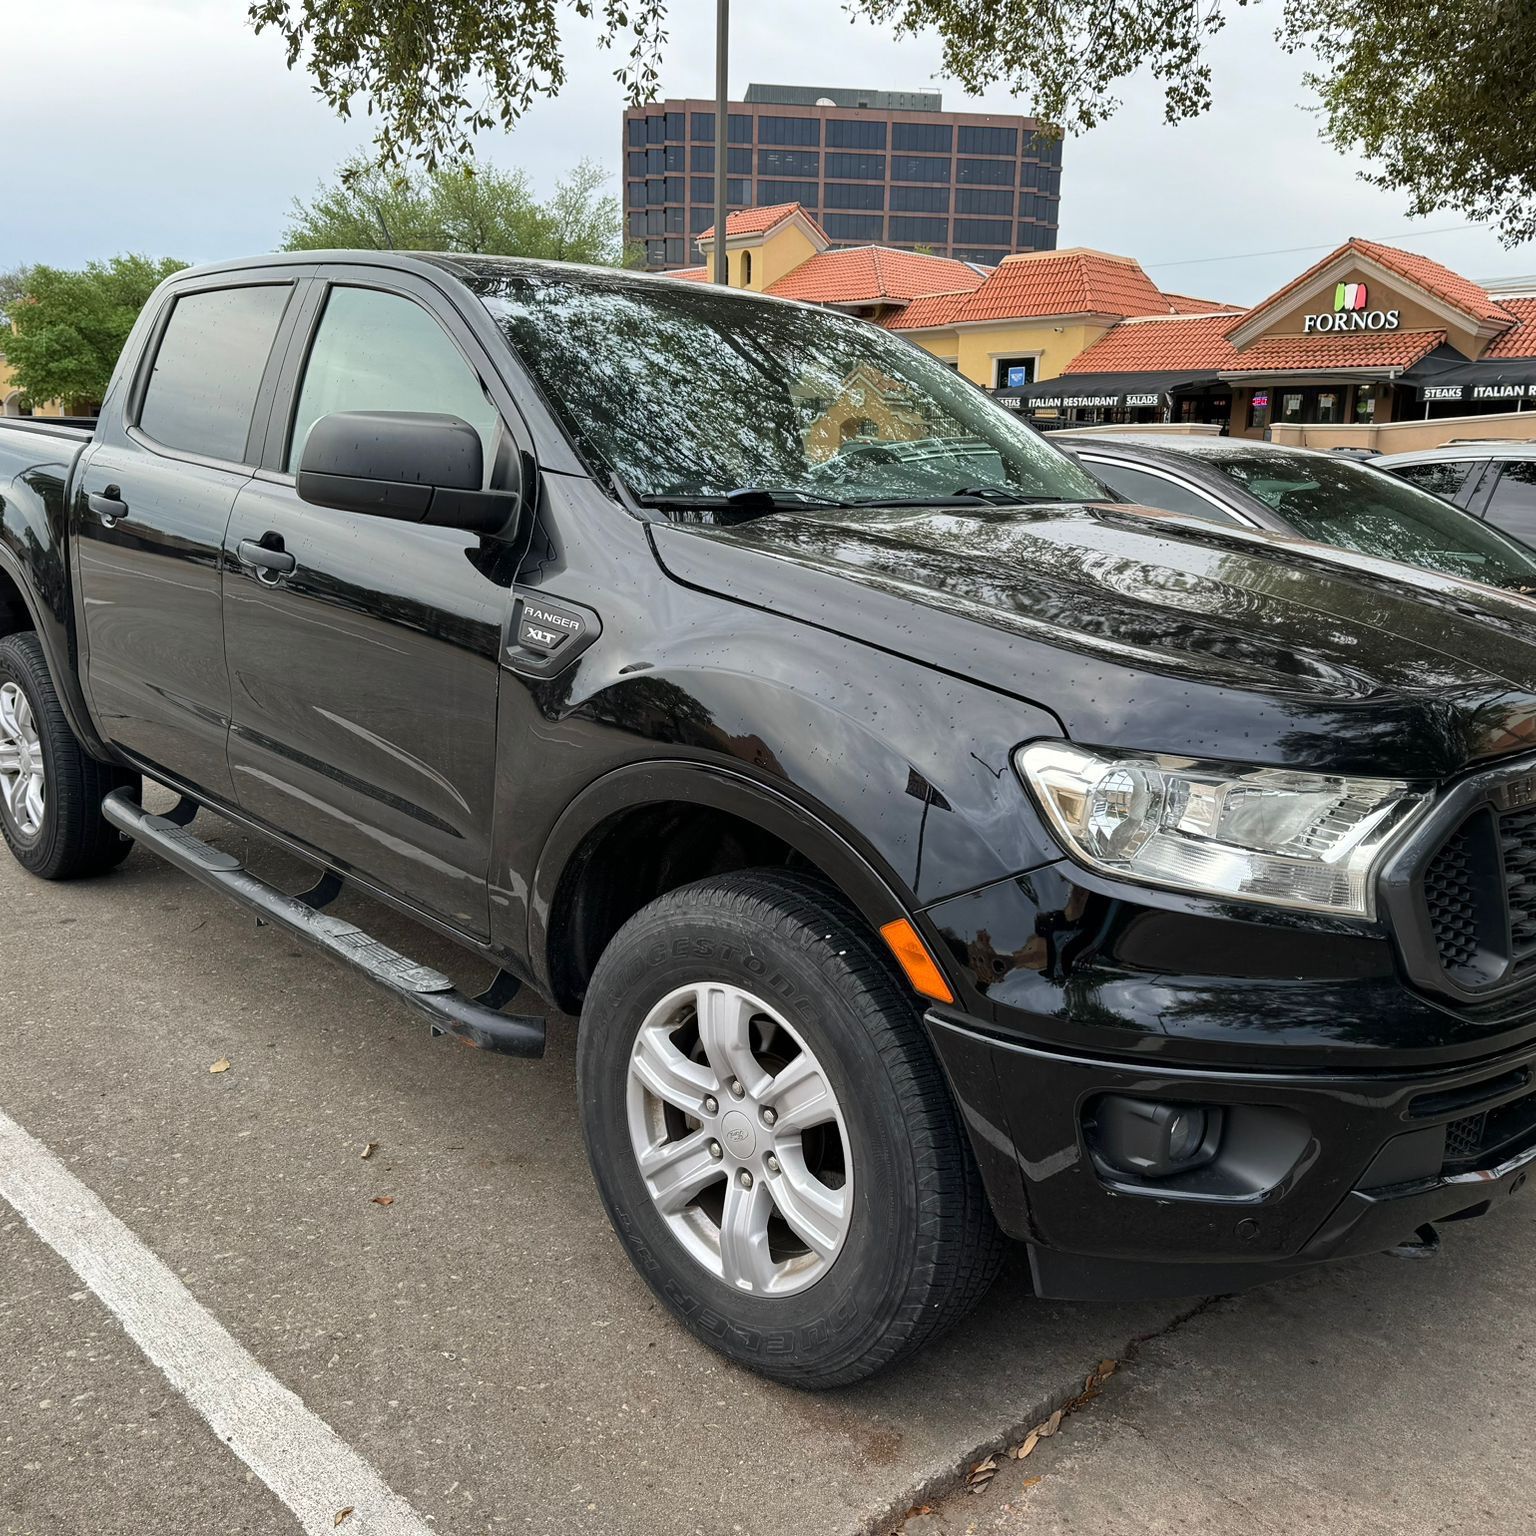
x=874 y=167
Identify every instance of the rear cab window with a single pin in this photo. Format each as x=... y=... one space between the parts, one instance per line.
x=1441 y=477
x=201 y=392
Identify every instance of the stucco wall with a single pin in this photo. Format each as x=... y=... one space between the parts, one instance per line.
x=976 y=348
x=1407 y=436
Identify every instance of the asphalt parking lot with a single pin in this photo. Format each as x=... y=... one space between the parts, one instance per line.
x=479 y=1347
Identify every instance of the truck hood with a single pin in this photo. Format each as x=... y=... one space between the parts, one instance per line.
x=1146 y=630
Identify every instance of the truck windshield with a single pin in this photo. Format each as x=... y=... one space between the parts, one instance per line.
x=1339 y=501
x=690 y=394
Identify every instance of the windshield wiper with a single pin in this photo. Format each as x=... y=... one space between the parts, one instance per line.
x=995 y=494
x=746 y=498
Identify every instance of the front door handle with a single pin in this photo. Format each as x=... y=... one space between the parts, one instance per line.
x=108 y=504
x=264 y=559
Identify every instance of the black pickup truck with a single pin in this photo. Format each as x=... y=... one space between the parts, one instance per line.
x=934 y=847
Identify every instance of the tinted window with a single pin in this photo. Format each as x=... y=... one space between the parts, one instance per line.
x=857 y=194
x=1445 y=477
x=988 y=141
x=1343 y=502
x=921 y=199
x=860 y=167
x=918 y=168
x=684 y=390
x=1154 y=491
x=789 y=130
x=1513 y=506
x=378 y=352
x=936 y=136
x=209 y=367
x=995 y=173
x=845 y=133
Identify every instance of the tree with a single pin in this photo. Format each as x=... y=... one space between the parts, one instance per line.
x=68 y=327
x=486 y=211
x=1437 y=92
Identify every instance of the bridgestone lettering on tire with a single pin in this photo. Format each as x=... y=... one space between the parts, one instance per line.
x=772 y=1135
x=57 y=830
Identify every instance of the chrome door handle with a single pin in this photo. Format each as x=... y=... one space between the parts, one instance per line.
x=108 y=504
x=266 y=561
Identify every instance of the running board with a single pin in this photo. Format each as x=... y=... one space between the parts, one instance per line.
x=429 y=992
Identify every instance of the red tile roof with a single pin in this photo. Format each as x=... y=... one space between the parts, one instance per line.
x=758 y=221
x=1450 y=287
x=1158 y=345
x=1348 y=349
x=871 y=273
x=1520 y=339
x=1183 y=304
x=689 y=274
x=935 y=309
x=1040 y=283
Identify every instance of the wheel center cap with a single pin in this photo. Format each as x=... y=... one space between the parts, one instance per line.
x=738 y=1135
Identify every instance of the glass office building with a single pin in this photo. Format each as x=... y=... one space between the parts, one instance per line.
x=874 y=167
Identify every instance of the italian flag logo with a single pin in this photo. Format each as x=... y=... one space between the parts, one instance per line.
x=1349 y=296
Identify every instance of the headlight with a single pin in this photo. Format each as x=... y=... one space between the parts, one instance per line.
x=1257 y=834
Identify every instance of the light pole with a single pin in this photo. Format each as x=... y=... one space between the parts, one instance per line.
x=722 y=138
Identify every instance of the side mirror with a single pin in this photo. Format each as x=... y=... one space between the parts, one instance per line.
x=415 y=466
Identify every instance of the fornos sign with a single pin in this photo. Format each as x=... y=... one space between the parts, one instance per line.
x=1351 y=312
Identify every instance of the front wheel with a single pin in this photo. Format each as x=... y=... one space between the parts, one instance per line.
x=51 y=788
x=772 y=1135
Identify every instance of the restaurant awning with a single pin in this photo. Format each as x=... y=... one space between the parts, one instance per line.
x=1452 y=377
x=1102 y=390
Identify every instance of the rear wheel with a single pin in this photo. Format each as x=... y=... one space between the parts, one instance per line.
x=51 y=789
x=772 y=1135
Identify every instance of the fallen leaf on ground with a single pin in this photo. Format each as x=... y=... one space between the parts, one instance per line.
x=383 y=1199
x=1025 y=1446
x=1029 y=1482
x=1051 y=1425
x=341 y=1515
x=1107 y=1368
x=221 y=1065
x=981 y=1474
x=369 y=1150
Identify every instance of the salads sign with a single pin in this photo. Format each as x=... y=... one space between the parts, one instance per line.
x=1351 y=312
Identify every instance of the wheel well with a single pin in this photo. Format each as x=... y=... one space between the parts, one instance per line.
x=636 y=856
x=14 y=614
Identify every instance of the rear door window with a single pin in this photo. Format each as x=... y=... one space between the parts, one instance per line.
x=1152 y=490
x=1512 y=505
x=208 y=369
x=1441 y=477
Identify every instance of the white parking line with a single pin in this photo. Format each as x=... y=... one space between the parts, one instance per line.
x=299 y=1457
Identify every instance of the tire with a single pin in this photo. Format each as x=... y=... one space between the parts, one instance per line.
x=904 y=1244
x=68 y=837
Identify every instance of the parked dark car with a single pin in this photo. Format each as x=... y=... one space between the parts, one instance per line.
x=1494 y=481
x=1332 y=498
x=932 y=849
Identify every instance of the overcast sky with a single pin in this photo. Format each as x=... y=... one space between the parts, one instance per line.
x=165 y=126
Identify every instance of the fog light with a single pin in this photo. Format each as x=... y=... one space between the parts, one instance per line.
x=1151 y=1139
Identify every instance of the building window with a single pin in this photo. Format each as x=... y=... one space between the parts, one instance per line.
x=634 y=162
x=922 y=136
x=1041 y=178
x=674 y=220
x=655 y=253
x=1258 y=409
x=788 y=162
x=803 y=192
x=656 y=128
x=738 y=162
x=636 y=132
x=984 y=200
x=656 y=221
x=857 y=167
x=920 y=199
x=702 y=162
x=855 y=195
x=854 y=226
x=1290 y=406
x=988 y=173
x=635 y=195
x=1013 y=372
x=746 y=269
x=920 y=231
x=701 y=127
x=982 y=258
x=676 y=252
x=983 y=232
x=1030 y=205
x=1330 y=406
x=738 y=193
x=701 y=189
x=676 y=157
x=676 y=128
x=918 y=168
x=1365 y=404
x=738 y=128
x=656 y=161
x=789 y=130
x=636 y=226
x=844 y=133
x=989 y=141
x=700 y=218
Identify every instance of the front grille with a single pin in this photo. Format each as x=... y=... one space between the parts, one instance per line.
x=1488 y=1137
x=1517 y=849
x=1451 y=897
x=1464 y=1138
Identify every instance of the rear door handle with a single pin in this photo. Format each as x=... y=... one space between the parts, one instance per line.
x=108 y=504
x=264 y=559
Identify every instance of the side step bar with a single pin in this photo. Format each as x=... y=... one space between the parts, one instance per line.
x=472 y=1020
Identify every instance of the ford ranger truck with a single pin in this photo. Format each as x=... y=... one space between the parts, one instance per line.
x=936 y=850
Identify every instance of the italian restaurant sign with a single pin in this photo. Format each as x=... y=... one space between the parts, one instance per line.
x=1351 y=312
x=1478 y=391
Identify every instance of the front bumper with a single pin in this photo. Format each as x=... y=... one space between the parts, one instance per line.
x=1320 y=1165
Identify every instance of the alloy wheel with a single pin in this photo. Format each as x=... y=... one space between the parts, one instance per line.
x=23 y=780
x=740 y=1139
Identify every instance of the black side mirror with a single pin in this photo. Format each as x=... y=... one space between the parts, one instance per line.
x=415 y=466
